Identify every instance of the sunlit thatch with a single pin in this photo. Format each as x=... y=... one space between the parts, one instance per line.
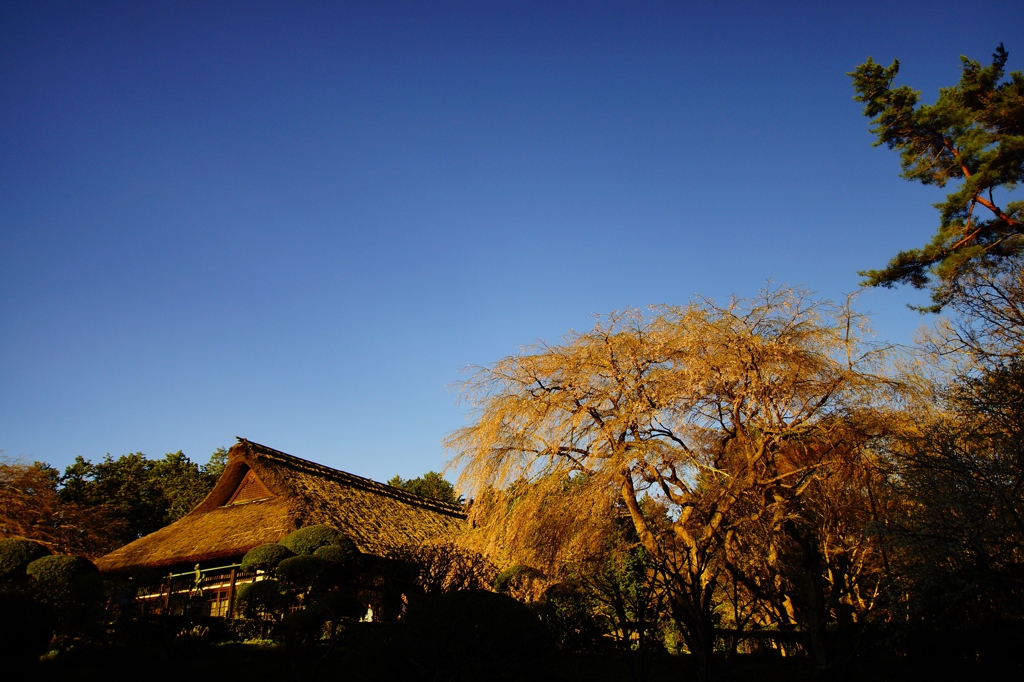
x=376 y=517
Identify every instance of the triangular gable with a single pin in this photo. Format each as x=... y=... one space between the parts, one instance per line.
x=251 y=488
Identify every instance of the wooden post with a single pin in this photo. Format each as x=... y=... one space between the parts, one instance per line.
x=167 y=595
x=231 y=595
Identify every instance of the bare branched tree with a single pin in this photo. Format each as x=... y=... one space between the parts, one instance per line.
x=30 y=507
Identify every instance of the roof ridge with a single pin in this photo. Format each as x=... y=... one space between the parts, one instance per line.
x=358 y=481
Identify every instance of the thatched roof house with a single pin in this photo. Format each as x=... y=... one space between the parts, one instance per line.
x=264 y=494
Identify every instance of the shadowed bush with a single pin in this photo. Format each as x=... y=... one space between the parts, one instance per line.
x=306 y=571
x=304 y=627
x=343 y=555
x=519 y=582
x=264 y=599
x=15 y=556
x=62 y=580
x=26 y=627
x=468 y=634
x=72 y=587
x=568 y=612
x=265 y=557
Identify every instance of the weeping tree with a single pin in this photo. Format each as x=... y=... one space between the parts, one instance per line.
x=697 y=420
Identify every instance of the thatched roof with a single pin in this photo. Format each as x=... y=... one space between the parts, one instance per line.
x=264 y=494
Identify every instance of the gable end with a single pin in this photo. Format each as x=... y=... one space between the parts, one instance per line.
x=250 y=489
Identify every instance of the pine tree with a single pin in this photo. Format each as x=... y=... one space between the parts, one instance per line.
x=974 y=136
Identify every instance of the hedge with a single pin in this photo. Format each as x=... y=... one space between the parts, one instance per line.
x=261 y=598
x=16 y=554
x=340 y=555
x=311 y=538
x=60 y=569
x=305 y=570
x=265 y=557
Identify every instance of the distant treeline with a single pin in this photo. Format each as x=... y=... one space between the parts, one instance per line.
x=93 y=508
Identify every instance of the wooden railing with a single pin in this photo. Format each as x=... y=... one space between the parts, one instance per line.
x=209 y=591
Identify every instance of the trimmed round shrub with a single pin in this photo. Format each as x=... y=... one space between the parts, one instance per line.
x=340 y=555
x=265 y=557
x=305 y=570
x=263 y=598
x=311 y=538
x=16 y=554
x=60 y=569
x=69 y=583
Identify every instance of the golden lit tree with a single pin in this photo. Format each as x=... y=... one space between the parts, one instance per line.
x=696 y=420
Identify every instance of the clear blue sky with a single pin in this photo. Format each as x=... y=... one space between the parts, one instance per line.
x=296 y=222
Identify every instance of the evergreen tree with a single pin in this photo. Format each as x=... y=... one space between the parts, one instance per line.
x=973 y=136
x=430 y=484
x=142 y=494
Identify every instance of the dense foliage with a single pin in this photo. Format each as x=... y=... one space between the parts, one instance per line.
x=313 y=569
x=430 y=484
x=974 y=136
x=457 y=635
x=16 y=554
x=265 y=557
x=311 y=538
x=94 y=508
x=141 y=494
x=341 y=554
x=31 y=507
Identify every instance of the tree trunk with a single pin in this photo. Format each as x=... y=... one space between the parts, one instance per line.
x=692 y=612
x=813 y=612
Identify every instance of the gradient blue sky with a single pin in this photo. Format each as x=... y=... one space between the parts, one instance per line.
x=296 y=222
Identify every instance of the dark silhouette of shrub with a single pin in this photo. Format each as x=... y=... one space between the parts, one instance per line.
x=26 y=627
x=15 y=556
x=263 y=600
x=72 y=587
x=468 y=634
x=343 y=604
x=311 y=538
x=265 y=557
x=303 y=627
x=568 y=612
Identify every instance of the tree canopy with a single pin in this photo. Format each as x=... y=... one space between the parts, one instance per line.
x=430 y=484
x=973 y=136
x=711 y=425
x=94 y=508
x=142 y=494
x=31 y=507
